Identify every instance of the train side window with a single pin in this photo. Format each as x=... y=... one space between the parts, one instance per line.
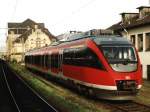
x=36 y=60
x=30 y=59
x=68 y=56
x=82 y=57
x=42 y=60
x=49 y=61
x=56 y=60
x=52 y=60
x=39 y=60
x=46 y=60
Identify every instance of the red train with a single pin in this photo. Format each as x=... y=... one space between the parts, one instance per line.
x=106 y=66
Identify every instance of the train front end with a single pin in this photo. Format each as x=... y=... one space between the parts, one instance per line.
x=123 y=68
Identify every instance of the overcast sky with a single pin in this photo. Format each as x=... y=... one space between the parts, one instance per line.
x=61 y=16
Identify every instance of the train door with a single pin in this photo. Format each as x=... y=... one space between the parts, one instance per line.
x=60 y=62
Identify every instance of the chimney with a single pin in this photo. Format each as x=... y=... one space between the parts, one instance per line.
x=143 y=11
x=127 y=18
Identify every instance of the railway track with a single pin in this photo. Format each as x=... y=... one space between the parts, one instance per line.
x=7 y=103
x=17 y=96
x=128 y=106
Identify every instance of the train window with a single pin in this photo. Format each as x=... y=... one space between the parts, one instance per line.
x=52 y=60
x=35 y=57
x=30 y=60
x=56 y=60
x=43 y=60
x=82 y=57
x=46 y=61
x=68 y=56
x=36 y=60
x=49 y=61
x=40 y=60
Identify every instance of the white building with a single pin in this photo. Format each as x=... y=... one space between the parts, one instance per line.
x=136 y=27
x=25 y=36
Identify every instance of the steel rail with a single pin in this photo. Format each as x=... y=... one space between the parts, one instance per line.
x=131 y=107
x=10 y=91
x=36 y=93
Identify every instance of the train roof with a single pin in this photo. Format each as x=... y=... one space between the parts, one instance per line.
x=111 y=40
x=101 y=37
x=98 y=39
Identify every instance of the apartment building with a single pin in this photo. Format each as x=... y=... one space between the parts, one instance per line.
x=25 y=36
x=136 y=27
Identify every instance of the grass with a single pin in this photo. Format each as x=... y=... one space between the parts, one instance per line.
x=60 y=97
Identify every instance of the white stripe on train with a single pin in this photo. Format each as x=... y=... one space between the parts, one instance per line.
x=105 y=87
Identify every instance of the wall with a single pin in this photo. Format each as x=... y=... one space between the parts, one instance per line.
x=144 y=54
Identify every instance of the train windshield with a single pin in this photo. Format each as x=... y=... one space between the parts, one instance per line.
x=121 y=58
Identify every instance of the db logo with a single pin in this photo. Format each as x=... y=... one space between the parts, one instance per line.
x=127 y=77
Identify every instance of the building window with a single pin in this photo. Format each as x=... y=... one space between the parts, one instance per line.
x=147 y=42
x=132 y=38
x=148 y=72
x=38 y=42
x=140 y=42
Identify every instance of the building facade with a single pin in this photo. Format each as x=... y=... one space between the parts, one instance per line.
x=2 y=53
x=26 y=36
x=136 y=27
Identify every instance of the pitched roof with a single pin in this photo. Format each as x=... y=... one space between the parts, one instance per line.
x=25 y=35
x=31 y=24
x=25 y=24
